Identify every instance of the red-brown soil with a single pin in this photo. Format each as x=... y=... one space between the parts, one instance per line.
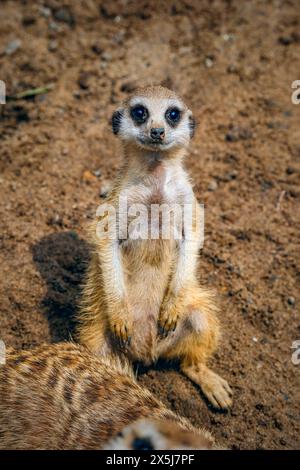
x=234 y=62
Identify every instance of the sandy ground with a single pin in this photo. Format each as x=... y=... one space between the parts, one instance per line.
x=234 y=62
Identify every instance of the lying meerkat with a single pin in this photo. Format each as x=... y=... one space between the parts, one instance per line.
x=63 y=397
x=141 y=297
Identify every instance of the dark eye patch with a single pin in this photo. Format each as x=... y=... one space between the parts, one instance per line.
x=116 y=120
x=139 y=114
x=192 y=126
x=142 y=444
x=173 y=116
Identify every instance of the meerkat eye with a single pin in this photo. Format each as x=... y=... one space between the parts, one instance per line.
x=173 y=116
x=139 y=114
x=142 y=444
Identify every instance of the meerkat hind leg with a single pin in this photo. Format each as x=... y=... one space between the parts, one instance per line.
x=216 y=389
x=198 y=345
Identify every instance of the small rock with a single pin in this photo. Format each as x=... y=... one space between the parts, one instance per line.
x=232 y=68
x=64 y=15
x=285 y=40
x=55 y=220
x=105 y=188
x=213 y=185
x=291 y=301
x=128 y=87
x=53 y=45
x=230 y=137
x=88 y=177
x=208 y=62
x=259 y=406
x=13 y=46
x=46 y=12
x=97 y=49
x=184 y=50
x=119 y=37
x=106 y=56
x=54 y=26
x=83 y=81
x=238 y=133
x=28 y=20
x=97 y=173
x=228 y=37
x=278 y=424
x=77 y=95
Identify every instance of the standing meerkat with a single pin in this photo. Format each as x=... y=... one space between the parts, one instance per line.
x=63 y=397
x=141 y=296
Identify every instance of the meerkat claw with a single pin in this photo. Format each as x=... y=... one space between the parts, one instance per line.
x=168 y=327
x=122 y=336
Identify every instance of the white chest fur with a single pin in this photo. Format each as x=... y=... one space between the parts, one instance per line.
x=154 y=203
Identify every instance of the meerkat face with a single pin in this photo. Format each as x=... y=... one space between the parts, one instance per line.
x=148 y=434
x=154 y=118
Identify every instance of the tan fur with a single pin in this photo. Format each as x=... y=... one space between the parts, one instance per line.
x=62 y=397
x=137 y=288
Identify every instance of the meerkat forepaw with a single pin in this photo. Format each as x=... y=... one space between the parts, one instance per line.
x=168 y=319
x=122 y=332
x=167 y=326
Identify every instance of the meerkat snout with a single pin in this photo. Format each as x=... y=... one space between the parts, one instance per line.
x=155 y=119
x=153 y=434
x=157 y=133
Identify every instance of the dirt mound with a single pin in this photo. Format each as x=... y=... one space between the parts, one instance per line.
x=234 y=62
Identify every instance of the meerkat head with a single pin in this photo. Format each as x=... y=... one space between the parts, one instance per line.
x=154 y=118
x=154 y=434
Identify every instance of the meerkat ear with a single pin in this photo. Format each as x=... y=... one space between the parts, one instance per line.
x=116 y=120
x=192 y=125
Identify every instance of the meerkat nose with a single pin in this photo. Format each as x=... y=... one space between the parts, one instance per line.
x=157 y=133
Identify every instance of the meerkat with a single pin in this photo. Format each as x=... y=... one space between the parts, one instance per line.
x=63 y=397
x=141 y=297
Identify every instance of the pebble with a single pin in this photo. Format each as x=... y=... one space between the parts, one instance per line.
x=97 y=172
x=52 y=46
x=228 y=37
x=46 y=12
x=185 y=50
x=54 y=26
x=285 y=40
x=105 y=188
x=64 y=15
x=128 y=87
x=291 y=300
x=28 y=20
x=209 y=62
x=106 y=56
x=213 y=185
x=55 y=220
x=232 y=68
x=97 y=49
x=13 y=46
x=83 y=81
